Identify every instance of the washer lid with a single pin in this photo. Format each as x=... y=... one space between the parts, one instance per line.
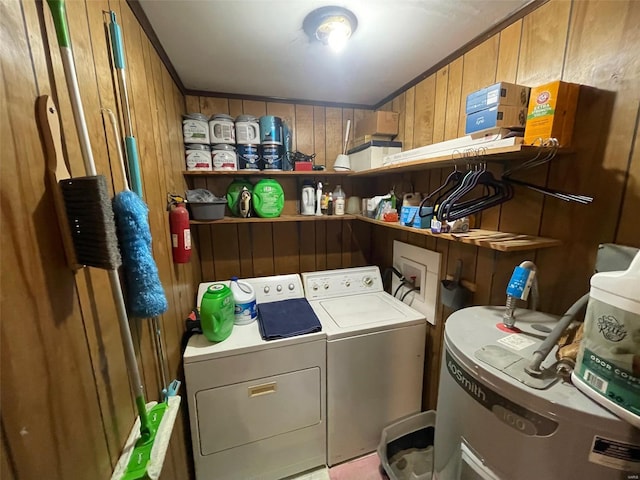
x=358 y=314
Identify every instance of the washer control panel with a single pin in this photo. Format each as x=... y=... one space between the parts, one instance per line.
x=268 y=289
x=343 y=282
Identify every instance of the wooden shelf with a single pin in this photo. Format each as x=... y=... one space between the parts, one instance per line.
x=503 y=242
x=281 y=218
x=497 y=154
x=269 y=173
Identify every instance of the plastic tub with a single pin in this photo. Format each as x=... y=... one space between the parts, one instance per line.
x=406 y=447
x=208 y=210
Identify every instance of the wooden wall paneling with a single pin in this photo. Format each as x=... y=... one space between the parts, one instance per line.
x=628 y=232
x=204 y=242
x=508 y=53
x=213 y=105
x=440 y=104
x=454 y=99
x=245 y=247
x=320 y=136
x=361 y=244
x=424 y=112
x=409 y=118
x=399 y=105
x=307 y=238
x=303 y=129
x=321 y=245
x=598 y=55
x=334 y=244
x=333 y=136
x=235 y=107
x=37 y=285
x=192 y=104
x=227 y=255
x=254 y=107
x=286 y=256
x=479 y=72
x=263 y=261
x=7 y=466
x=347 y=233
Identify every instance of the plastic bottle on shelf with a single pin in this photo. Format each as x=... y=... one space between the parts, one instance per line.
x=338 y=201
x=330 y=204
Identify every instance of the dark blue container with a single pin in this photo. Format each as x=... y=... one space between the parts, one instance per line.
x=248 y=157
x=271 y=156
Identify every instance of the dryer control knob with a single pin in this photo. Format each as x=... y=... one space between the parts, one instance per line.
x=315 y=286
x=347 y=283
x=326 y=286
x=266 y=289
x=368 y=281
x=279 y=288
x=291 y=286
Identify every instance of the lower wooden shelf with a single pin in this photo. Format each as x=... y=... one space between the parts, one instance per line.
x=501 y=241
x=281 y=218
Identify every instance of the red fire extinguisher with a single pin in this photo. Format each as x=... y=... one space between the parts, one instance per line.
x=179 y=228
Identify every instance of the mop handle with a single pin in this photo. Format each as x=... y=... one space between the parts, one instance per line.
x=58 y=13
x=116 y=134
x=115 y=33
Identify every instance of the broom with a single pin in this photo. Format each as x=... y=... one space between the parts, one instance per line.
x=87 y=206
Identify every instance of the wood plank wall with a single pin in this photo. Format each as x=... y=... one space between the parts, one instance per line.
x=592 y=43
x=66 y=406
x=66 y=402
x=271 y=249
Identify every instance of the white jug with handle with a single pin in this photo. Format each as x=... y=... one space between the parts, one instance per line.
x=308 y=200
x=247 y=130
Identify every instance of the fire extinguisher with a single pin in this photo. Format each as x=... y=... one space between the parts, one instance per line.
x=179 y=228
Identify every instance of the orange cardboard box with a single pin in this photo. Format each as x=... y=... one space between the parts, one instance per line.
x=377 y=123
x=552 y=112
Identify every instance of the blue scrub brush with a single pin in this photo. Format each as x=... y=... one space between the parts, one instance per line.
x=146 y=296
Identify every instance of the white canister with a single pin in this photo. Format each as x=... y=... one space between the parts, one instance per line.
x=247 y=130
x=244 y=297
x=221 y=129
x=195 y=128
x=224 y=157
x=198 y=158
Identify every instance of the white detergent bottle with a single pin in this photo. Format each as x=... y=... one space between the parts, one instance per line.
x=244 y=297
x=608 y=364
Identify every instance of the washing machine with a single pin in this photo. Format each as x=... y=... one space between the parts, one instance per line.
x=257 y=408
x=375 y=357
x=494 y=421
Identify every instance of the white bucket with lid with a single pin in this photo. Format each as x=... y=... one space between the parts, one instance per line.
x=244 y=297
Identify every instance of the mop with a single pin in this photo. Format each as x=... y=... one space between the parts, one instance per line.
x=92 y=225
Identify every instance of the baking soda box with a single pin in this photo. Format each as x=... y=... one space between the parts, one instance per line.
x=552 y=113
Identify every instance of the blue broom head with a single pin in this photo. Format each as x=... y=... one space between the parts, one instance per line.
x=145 y=295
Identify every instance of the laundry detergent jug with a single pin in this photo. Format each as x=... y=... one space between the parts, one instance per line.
x=244 y=297
x=268 y=198
x=608 y=363
x=233 y=194
x=217 y=312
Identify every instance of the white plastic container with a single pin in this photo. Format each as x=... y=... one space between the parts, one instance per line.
x=338 y=201
x=608 y=364
x=244 y=297
x=195 y=128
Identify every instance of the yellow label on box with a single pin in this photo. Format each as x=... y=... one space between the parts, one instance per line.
x=551 y=113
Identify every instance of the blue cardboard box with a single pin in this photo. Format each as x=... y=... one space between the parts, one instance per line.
x=409 y=217
x=501 y=93
x=496 y=116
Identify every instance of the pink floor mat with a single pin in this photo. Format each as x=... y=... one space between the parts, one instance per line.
x=363 y=468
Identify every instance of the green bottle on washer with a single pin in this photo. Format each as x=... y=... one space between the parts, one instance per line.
x=217 y=312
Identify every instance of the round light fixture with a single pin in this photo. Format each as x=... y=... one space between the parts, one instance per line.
x=332 y=26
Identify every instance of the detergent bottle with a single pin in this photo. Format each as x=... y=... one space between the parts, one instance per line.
x=217 y=312
x=608 y=363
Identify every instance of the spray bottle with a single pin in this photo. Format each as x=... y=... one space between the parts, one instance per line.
x=318 y=199
x=608 y=365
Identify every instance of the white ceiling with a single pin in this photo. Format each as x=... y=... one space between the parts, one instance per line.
x=258 y=47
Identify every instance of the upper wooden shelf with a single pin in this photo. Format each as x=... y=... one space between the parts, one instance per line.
x=270 y=173
x=281 y=218
x=503 y=242
x=496 y=154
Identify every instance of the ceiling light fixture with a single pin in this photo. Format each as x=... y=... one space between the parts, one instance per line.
x=333 y=26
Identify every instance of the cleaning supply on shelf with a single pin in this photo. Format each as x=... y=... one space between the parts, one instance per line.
x=319 y=199
x=268 y=198
x=217 y=312
x=338 y=201
x=608 y=365
x=233 y=194
x=244 y=298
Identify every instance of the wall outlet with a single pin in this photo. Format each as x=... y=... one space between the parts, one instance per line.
x=424 y=266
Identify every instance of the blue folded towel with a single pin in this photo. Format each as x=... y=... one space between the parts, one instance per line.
x=287 y=318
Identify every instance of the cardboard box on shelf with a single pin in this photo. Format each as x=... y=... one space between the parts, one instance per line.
x=371 y=138
x=501 y=93
x=370 y=155
x=552 y=112
x=496 y=116
x=377 y=123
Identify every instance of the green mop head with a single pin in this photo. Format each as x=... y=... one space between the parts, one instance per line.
x=144 y=460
